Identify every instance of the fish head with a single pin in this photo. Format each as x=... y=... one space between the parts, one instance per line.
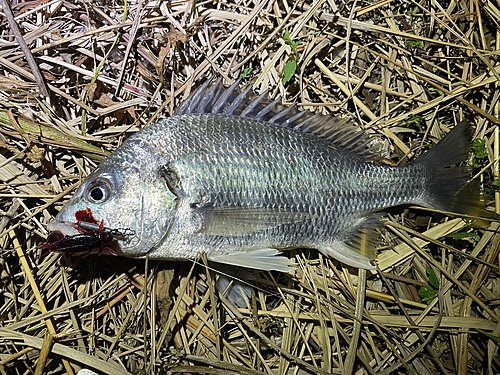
x=132 y=201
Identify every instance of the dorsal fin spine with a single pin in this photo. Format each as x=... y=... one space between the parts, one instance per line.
x=210 y=96
x=213 y=98
x=282 y=113
x=253 y=104
x=301 y=126
x=225 y=97
x=236 y=103
x=268 y=108
x=289 y=123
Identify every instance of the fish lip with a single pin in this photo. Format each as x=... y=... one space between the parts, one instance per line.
x=67 y=228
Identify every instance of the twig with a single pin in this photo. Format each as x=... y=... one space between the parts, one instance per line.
x=14 y=27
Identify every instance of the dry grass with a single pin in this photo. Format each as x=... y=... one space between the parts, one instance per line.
x=406 y=70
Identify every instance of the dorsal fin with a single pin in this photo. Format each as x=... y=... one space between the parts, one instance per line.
x=215 y=98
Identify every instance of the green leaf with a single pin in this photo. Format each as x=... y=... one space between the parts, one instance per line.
x=468 y=222
x=290 y=42
x=431 y=276
x=246 y=72
x=462 y=235
x=289 y=70
x=493 y=337
x=479 y=148
x=480 y=153
x=414 y=120
x=427 y=293
x=412 y=43
x=439 y=92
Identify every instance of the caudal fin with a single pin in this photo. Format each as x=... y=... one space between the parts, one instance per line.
x=451 y=189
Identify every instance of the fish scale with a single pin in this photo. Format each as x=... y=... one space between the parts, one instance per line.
x=241 y=189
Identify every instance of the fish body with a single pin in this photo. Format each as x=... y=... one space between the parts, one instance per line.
x=241 y=178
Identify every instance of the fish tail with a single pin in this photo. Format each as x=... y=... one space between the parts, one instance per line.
x=451 y=189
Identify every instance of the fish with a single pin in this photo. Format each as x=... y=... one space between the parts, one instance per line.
x=244 y=178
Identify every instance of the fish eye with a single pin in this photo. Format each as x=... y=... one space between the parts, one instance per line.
x=98 y=191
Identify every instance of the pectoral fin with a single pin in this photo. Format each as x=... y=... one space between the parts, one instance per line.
x=236 y=221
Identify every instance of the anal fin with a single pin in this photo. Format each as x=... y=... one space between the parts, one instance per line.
x=358 y=249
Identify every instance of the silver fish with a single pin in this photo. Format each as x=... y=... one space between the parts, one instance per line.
x=242 y=178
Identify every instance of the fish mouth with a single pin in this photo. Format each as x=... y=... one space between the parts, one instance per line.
x=84 y=236
x=83 y=223
x=86 y=233
x=81 y=235
x=67 y=228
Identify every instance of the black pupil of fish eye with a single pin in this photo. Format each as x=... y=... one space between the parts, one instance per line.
x=97 y=193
